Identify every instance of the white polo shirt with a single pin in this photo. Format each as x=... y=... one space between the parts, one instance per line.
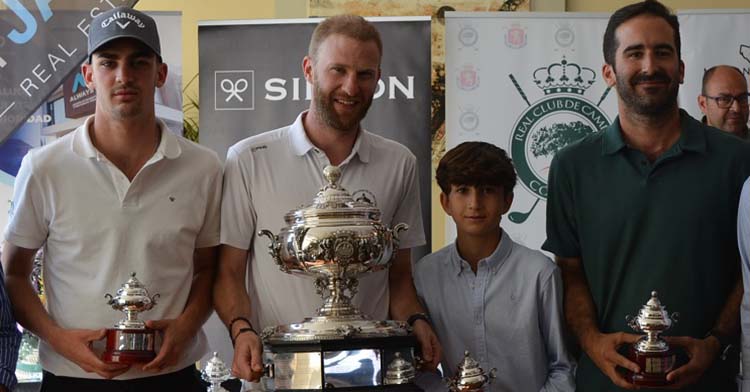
x=268 y=175
x=99 y=227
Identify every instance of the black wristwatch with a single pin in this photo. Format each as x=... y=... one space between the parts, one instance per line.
x=418 y=316
x=726 y=343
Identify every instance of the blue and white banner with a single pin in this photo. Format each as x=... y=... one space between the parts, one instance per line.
x=41 y=43
x=531 y=84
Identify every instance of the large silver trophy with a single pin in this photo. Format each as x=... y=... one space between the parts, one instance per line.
x=335 y=241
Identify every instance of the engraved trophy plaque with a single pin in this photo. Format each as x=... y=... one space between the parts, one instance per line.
x=470 y=377
x=215 y=372
x=334 y=241
x=130 y=341
x=652 y=354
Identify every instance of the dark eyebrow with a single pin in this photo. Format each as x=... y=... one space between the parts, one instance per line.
x=642 y=47
x=106 y=55
x=665 y=46
x=633 y=47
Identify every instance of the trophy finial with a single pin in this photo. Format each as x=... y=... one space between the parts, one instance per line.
x=132 y=274
x=332 y=174
x=654 y=294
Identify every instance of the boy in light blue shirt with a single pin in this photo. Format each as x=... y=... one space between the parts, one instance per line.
x=487 y=294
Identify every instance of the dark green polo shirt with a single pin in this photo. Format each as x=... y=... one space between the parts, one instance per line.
x=638 y=226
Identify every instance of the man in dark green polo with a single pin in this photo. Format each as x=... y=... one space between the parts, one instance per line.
x=649 y=204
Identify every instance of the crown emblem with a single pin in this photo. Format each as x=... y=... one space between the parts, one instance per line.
x=564 y=77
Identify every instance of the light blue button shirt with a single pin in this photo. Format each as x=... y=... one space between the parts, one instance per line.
x=508 y=315
x=743 y=240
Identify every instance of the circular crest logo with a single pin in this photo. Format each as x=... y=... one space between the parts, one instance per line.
x=469 y=120
x=468 y=36
x=561 y=117
x=565 y=36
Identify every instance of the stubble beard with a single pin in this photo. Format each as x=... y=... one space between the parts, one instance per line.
x=644 y=104
x=324 y=108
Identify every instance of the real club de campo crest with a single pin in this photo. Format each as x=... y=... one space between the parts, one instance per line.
x=560 y=117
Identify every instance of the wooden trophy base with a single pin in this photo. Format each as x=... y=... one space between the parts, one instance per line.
x=654 y=367
x=129 y=346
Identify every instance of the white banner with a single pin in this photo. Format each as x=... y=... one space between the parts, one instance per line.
x=711 y=37
x=531 y=84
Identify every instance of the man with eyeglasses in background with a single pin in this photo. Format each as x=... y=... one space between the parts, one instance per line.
x=724 y=100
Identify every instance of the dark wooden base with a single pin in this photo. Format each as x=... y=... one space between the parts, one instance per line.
x=654 y=368
x=129 y=346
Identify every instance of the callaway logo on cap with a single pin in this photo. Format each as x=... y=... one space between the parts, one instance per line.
x=123 y=22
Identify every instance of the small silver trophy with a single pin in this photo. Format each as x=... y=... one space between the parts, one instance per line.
x=215 y=372
x=470 y=377
x=652 y=353
x=130 y=341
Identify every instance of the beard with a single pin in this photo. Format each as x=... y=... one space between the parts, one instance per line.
x=324 y=107
x=648 y=104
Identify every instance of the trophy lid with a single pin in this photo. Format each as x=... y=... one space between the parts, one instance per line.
x=400 y=371
x=215 y=370
x=133 y=289
x=653 y=315
x=334 y=205
x=469 y=367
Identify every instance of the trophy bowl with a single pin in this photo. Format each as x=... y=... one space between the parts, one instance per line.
x=130 y=341
x=652 y=353
x=335 y=237
x=334 y=241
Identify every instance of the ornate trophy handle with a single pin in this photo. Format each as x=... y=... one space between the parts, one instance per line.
x=274 y=248
x=492 y=375
x=153 y=301
x=396 y=231
x=632 y=323
x=675 y=317
x=110 y=300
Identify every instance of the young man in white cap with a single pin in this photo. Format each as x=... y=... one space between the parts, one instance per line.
x=120 y=194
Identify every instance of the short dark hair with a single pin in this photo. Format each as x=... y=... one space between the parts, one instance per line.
x=707 y=74
x=352 y=26
x=648 y=7
x=476 y=163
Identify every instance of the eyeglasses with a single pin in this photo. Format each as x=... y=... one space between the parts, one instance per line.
x=725 y=101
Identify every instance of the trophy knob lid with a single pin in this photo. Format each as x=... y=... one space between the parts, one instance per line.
x=333 y=203
x=400 y=371
x=133 y=288
x=653 y=316
x=215 y=370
